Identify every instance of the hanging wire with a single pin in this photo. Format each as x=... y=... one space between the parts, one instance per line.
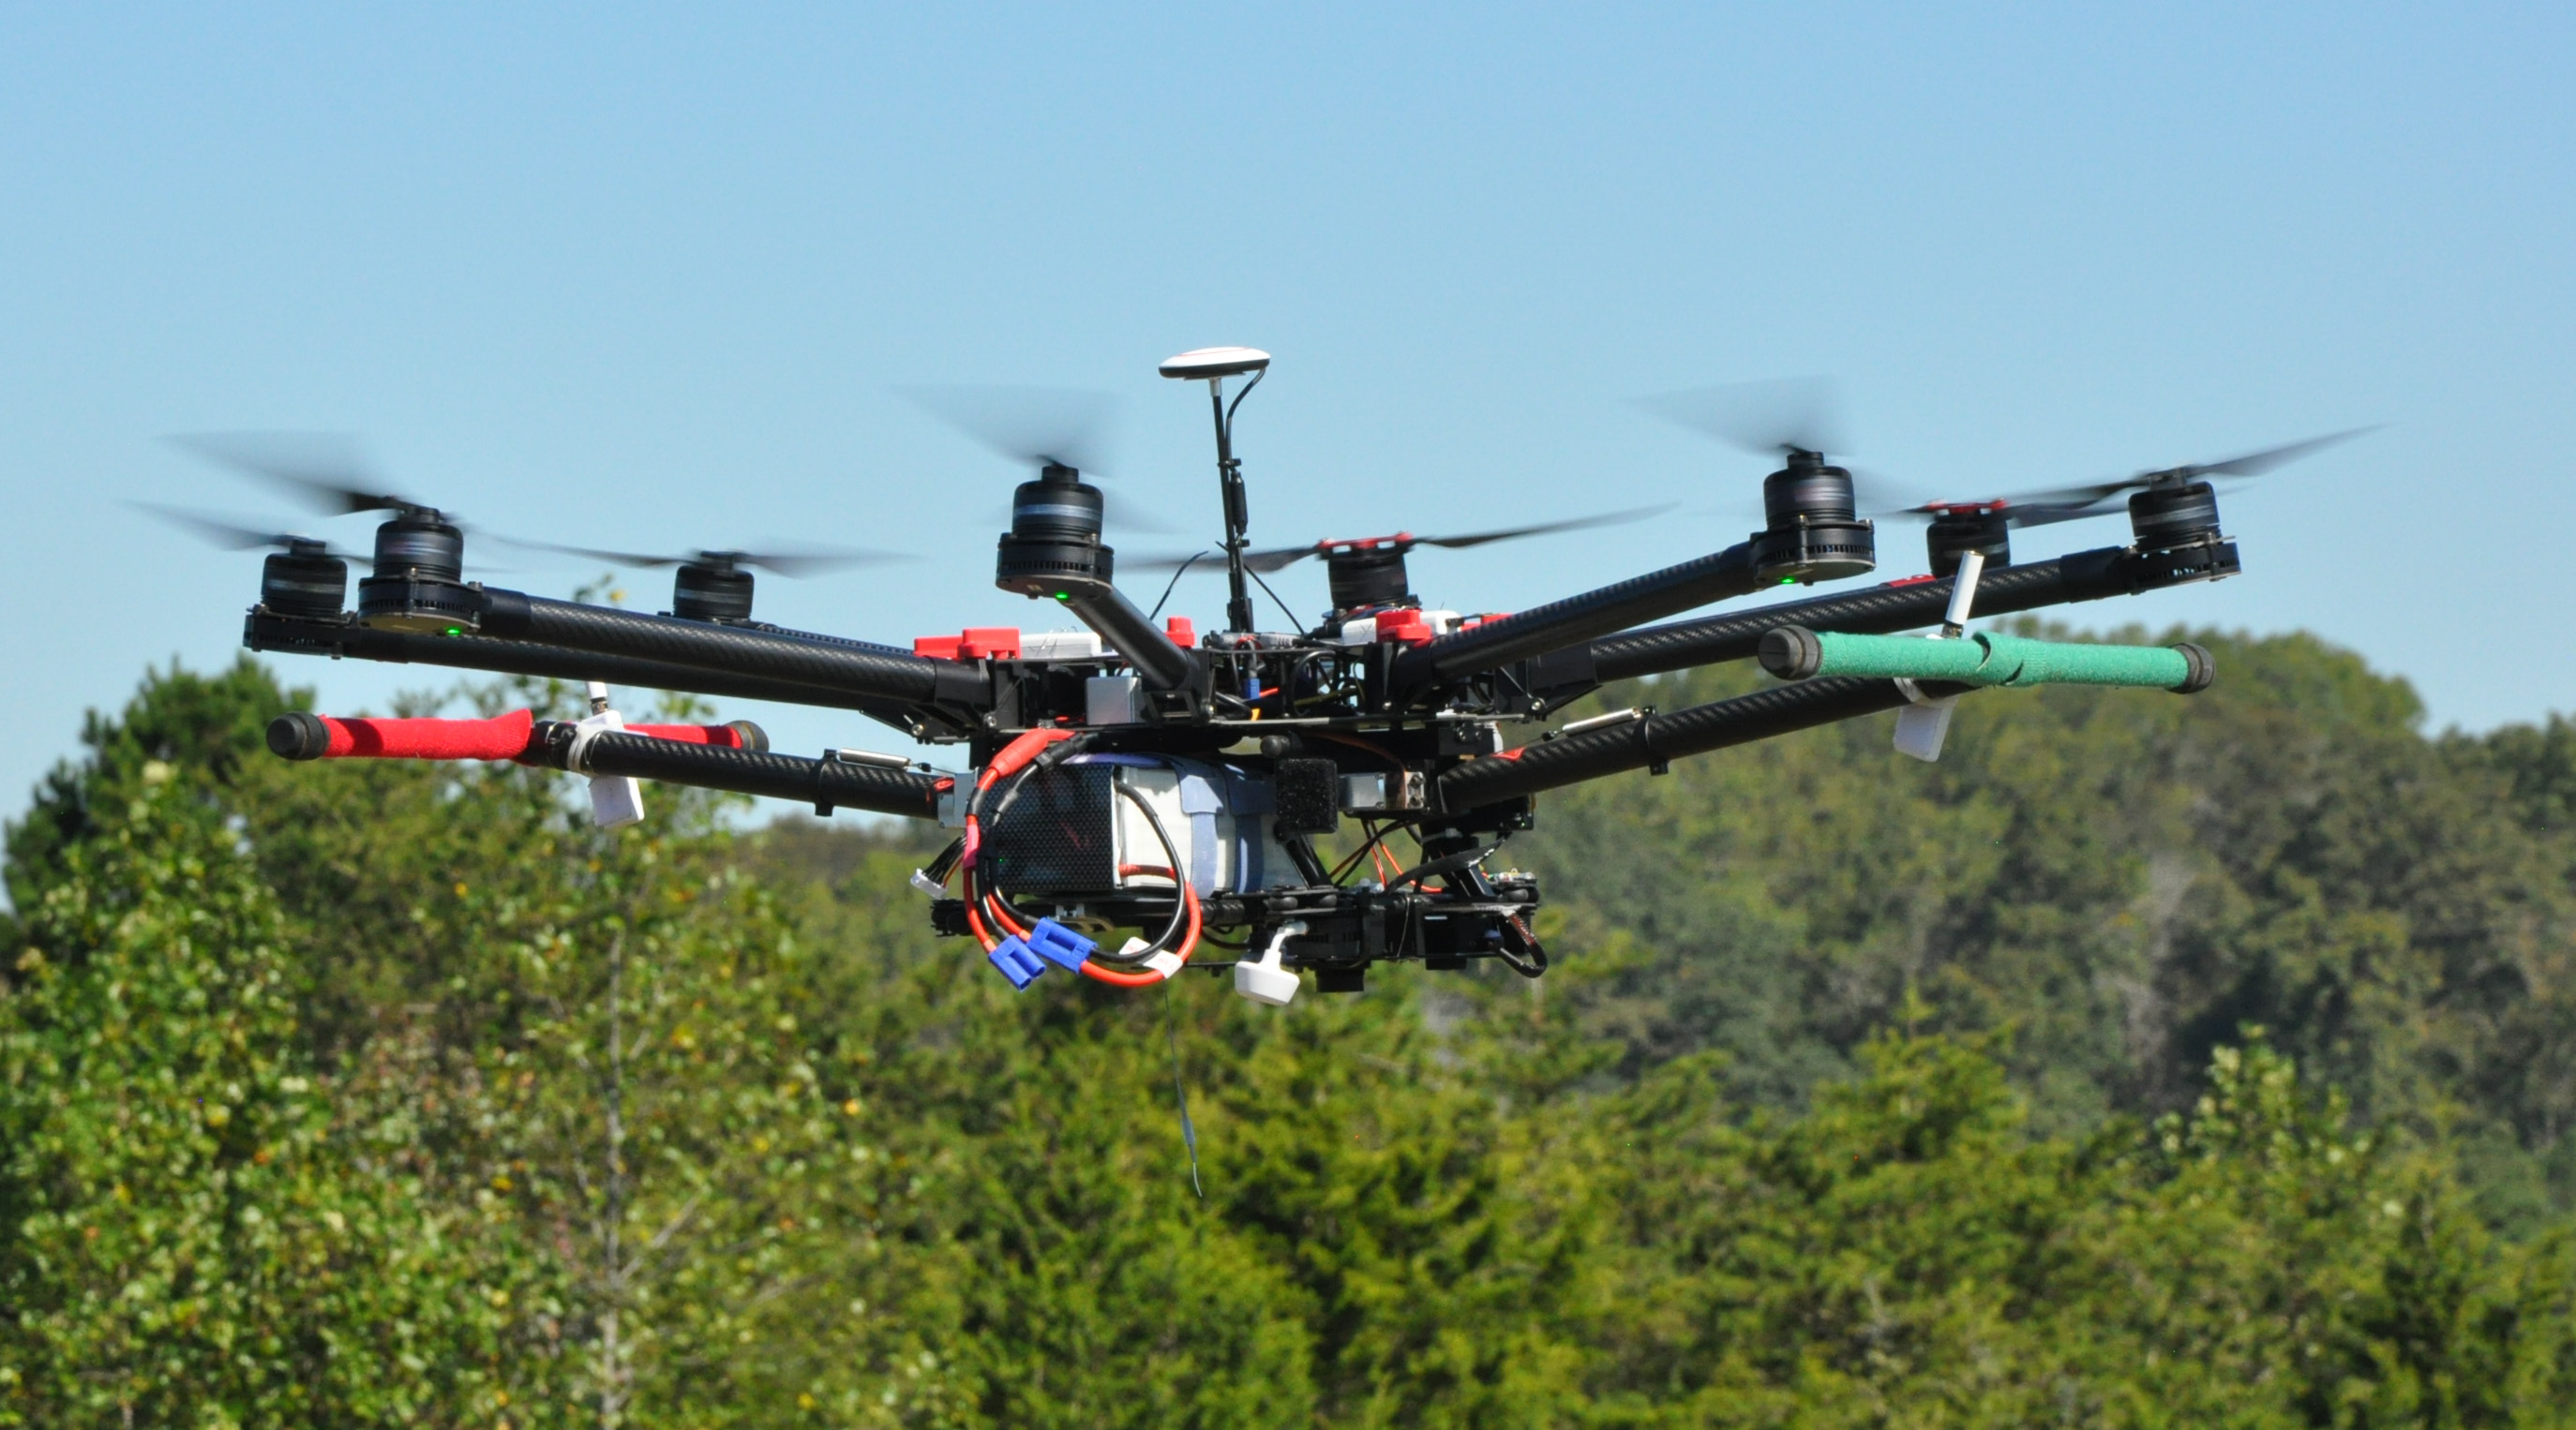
x=1274 y=597
x=1180 y=1094
x=1175 y=581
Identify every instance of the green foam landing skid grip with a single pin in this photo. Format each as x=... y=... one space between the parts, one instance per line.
x=1991 y=659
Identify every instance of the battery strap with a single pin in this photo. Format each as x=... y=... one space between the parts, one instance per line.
x=1200 y=802
x=1248 y=801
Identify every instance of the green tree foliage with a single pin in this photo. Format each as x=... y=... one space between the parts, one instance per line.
x=1863 y=1093
x=200 y=1229
x=2122 y=881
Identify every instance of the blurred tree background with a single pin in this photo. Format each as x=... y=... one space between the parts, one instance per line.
x=2145 y=1062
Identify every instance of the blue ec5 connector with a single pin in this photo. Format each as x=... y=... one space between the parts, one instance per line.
x=1018 y=962
x=1061 y=945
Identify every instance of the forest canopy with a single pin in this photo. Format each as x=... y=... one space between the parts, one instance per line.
x=2147 y=1061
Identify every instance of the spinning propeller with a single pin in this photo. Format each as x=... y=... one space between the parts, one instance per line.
x=1369 y=570
x=1279 y=557
x=2167 y=506
x=325 y=470
x=2068 y=503
x=1768 y=419
x=811 y=562
x=1066 y=431
x=1812 y=529
x=712 y=585
x=1028 y=426
x=230 y=534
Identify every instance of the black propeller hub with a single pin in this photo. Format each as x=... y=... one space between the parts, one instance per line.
x=304 y=580
x=1054 y=537
x=2175 y=523
x=422 y=542
x=711 y=588
x=1815 y=532
x=418 y=583
x=2171 y=513
x=1368 y=574
x=1983 y=527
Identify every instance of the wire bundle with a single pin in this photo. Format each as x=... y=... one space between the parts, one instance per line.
x=1017 y=761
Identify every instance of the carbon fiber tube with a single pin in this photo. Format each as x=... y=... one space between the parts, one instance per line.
x=883 y=677
x=1579 y=618
x=1639 y=744
x=879 y=647
x=824 y=784
x=1158 y=661
x=1879 y=610
x=267 y=632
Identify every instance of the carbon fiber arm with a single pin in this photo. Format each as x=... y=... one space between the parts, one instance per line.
x=1579 y=618
x=266 y=632
x=1652 y=740
x=875 y=675
x=1879 y=610
x=825 y=784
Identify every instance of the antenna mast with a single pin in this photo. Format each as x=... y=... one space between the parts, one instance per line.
x=1214 y=366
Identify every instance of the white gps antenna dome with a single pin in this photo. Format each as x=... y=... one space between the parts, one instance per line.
x=1201 y=363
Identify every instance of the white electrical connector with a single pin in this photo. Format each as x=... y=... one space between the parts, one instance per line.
x=1265 y=981
x=1924 y=724
x=615 y=800
x=1163 y=961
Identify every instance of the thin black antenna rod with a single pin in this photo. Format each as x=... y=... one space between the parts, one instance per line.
x=1238 y=505
x=1215 y=365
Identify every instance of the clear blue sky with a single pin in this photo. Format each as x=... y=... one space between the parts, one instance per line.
x=646 y=278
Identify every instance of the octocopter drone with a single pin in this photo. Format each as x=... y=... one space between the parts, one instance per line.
x=1139 y=776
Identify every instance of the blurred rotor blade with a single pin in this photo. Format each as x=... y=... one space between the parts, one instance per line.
x=2249 y=465
x=816 y=561
x=1276 y=558
x=1212 y=558
x=2085 y=495
x=1573 y=524
x=1804 y=413
x=325 y=470
x=2039 y=514
x=228 y=533
x=613 y=558
x=2256 y=463
x=812 y=561
x=1028 y=425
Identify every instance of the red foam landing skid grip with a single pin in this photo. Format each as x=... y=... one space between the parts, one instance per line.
x=502 y=737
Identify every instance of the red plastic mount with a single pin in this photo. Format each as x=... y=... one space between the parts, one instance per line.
x=1403 y=625
x=973 y=643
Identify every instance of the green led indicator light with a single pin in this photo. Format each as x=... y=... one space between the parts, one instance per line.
x=1061 y=596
